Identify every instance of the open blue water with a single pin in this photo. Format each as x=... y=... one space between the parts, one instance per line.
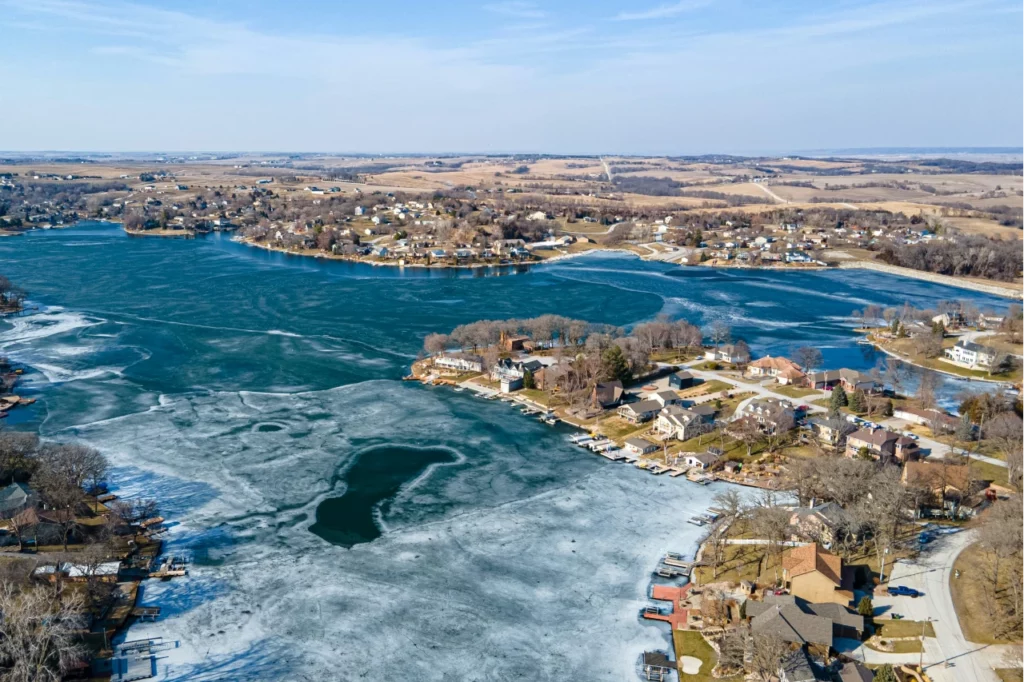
x=242 y=387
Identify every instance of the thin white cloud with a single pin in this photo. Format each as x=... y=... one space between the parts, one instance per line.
x=664 y=11
x=517 y=9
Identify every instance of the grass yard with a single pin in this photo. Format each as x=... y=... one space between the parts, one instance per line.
x=1010 y=674
x=617 y=428
x=536 y=395
x=692 y=643
x=795 y=392
x=903 y=628
x=713 y=386
x=971 y=599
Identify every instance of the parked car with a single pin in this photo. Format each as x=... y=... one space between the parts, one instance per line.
x=903 y=591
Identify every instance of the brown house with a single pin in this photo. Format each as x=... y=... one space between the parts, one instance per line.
x=882 y=444
x=606 y=394
x=816 y=575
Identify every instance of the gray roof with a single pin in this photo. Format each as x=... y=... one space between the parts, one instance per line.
x=976 y=347
x=854 y=671
x=793 y=625
x=796 y=620
x=640 y=443
x=645 y=406
x=14 y=496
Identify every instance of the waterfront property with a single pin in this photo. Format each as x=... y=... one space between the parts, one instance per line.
x=460 y=362
x=851 y=380
x=971 y=355
x=784 y=370
x=640 y=411
x=816 y=575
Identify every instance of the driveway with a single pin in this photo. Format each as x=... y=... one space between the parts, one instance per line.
x=948 y=656
x=936 y=449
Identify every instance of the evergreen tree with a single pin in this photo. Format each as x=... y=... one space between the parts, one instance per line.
x=865 y=607
x=839 y=399
x=887 y=409
x=858 y=401
x=528 y=381
x=614 y=365
x=886 y=674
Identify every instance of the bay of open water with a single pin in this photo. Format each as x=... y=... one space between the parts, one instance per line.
x=243 y=388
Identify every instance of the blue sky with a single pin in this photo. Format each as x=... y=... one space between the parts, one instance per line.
x=643 y=77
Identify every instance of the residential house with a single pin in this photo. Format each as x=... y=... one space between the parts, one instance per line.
x=855 y=671
x=788 y=622
x=771 y=414
x=510 y=343
x=701 y=460
x=798 y=666
x=949 y=320
x=850 y=380
x=881 y=444
x=606 y=394
x=462 y=362
x=816 y=575
x=678 y=422
x=971 y=354
x=680 y=380
x=511 y=374
x=832 y=432
x=553 y=376
x=16 y=498
x=932 y=418
x=951 y=486
x=665 y=398
x=640 y=446
x=731 y=353
x=784 y=370
x=639 y=412
x=818 y=523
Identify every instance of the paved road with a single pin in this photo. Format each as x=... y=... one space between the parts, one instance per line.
x=936 y=449
x=930 y=573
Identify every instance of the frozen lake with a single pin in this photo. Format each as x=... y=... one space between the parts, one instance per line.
x=246 y=390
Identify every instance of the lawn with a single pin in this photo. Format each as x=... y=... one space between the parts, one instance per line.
x=795 y=392
x=904 y=646
x=1010 y=674
x=713 y=386
x=536 y=395
x=971 y=598
x=692 y=643
x=903 y=628
x=617 y=428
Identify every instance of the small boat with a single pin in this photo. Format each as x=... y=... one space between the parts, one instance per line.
x=458 y=389
x=550 y=421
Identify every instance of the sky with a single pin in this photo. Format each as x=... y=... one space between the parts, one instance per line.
x=577 y=77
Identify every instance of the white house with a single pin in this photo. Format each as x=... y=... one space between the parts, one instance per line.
x=639 y=446
x=971 y=354
x=680 y=423
x=463 y=362
x=702 y=460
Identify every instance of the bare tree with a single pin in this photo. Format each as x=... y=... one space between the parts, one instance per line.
x=436 y=343
x=16 y=452
x=767 y=650
x=719 y=332
x=39 y=633
x=1006 y=431
x=808 y=358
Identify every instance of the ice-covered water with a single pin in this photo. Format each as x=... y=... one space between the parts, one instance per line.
x=238 y=386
